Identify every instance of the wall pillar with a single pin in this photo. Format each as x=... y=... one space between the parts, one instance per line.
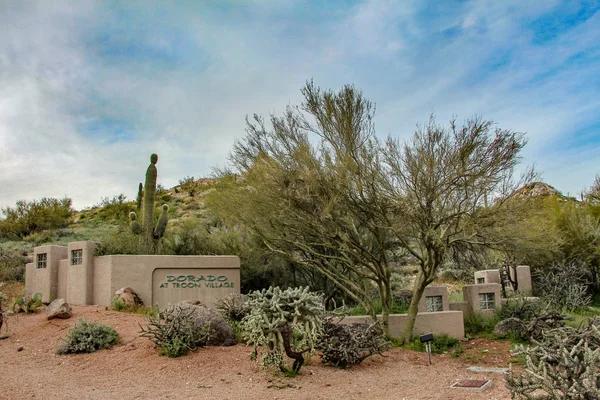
x=42 y=274
x=80 y=273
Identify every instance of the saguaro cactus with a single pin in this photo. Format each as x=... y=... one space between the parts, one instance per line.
x=149 y=235
x=140 y=195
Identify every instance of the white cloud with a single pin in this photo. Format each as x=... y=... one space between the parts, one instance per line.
x=55 y=81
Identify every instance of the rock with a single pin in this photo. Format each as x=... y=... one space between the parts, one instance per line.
x=504 y=327
x=59 y=308
x=221 y=333
x=128 y=297
x=487 y=370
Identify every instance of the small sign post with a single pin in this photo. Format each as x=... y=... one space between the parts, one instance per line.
x=427 y=339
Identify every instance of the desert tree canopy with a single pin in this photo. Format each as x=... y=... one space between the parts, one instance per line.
x=319 y=187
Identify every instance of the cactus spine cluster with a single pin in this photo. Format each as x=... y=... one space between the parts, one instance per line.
x=149 y=235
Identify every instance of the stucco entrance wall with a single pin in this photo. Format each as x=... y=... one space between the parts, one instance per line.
x=73 y=273
x=434 y=291
x=491 y=300
x=42 y=273
x=163 y=280
x=487 y=276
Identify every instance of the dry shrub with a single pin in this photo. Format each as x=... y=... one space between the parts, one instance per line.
x=343 y=345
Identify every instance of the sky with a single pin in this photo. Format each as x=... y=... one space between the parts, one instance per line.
x=89 y=89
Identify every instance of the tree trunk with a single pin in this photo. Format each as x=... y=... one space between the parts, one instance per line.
x=286 y=333
x=413 y=308
x=385 y=293
x=385 y=318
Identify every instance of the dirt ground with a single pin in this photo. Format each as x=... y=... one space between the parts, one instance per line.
x=134 y=370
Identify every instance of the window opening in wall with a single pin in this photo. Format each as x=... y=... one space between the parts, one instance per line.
x=41 y=260
x=434 y=303
x=486 y=301
x=76 y=257
x=480 y=281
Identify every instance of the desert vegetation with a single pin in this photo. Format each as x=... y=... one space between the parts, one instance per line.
x=329 y=219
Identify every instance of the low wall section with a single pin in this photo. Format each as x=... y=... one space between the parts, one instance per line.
x=448 y=322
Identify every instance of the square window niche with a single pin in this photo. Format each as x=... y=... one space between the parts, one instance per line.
x=77 y=257
x=487 y=301
x=434 y=303
x=42 y=260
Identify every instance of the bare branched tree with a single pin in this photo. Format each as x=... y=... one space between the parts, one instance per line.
x=319 y=188
x=449 y=189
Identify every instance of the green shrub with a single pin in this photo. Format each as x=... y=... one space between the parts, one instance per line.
x=118 y=304
x=441 y=344
x=397 y=306
x=174 y=332
x=116 y=208
x=87 y=337
x=12 y=266
x=119 y=241
x=343 y=345
x=35 y=216
x=520 y=307
x=478 y=324
x=238 y=330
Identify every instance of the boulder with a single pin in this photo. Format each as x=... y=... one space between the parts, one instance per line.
x=59 y=308
x=221 y=333
x=128 y=297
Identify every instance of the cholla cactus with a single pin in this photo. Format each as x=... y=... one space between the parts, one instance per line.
x=149 y=235
x=284 y=322
x=564 y=365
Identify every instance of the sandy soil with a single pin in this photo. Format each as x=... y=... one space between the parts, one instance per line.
x=134 y=370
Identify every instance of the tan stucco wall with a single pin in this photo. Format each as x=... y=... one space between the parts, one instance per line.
x=489 y=276
x=471 y=296
x=434 y=291
x=524 y=280
x=96 y=279
x=81 y=277
x=29 y=283
x=61 y=293
x=44 y=280
x=448 y=322
x=141 y=272
x=102 y=277
x=462 y=306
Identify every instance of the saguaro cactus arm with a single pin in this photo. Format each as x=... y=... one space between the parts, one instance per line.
x=139 y=197
x=161 y=225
